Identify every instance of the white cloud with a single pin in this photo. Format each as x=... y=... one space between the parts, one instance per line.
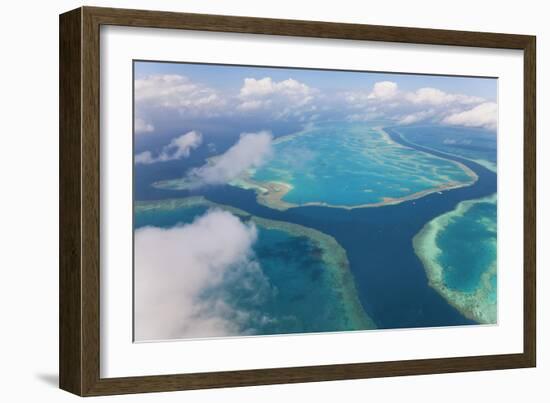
x=389 y=94
x=163 y=100
x=141 y=126
x=434 y=96
x=251 y=151
x=177 y=269
x=383 y=90
x=416 y=117
x=254 y=104
x=145 y=157
x=387 y=100
x=284 y=97
x=178 y=92
x=266 y=86
x=180 y=147
x=483 y=115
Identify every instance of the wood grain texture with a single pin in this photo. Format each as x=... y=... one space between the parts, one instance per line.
x=90 y=202
x=80 y=200
x=530 y=202
x=70 y=270
x=316 y=29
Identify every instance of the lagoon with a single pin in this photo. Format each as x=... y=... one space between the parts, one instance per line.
x=349 y=165
x=459 y=251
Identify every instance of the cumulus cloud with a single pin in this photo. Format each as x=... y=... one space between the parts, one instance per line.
x=434 y=96
x=383 y=90
x=141 y=126
x=251 y=151
x=254 y=104
x=177 y=92
x=177 y=271
x=389 y=93
x=416 y=117
x=387 y=100
x=266 y=86
x=484 y=115
x=180 y=147
x=284 y=97
x=163 y=100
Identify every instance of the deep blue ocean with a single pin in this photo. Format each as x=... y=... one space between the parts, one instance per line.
x=390 y=279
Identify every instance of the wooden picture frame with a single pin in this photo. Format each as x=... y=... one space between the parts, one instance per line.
x=79 y=348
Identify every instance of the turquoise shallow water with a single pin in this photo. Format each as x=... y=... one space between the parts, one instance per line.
x=303 y=294
x=353 y=164
x=303 y=291
x=459 y=251
x=468 y=245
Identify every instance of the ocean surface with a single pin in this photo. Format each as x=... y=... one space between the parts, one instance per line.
x=391 y=281
x=472 y=143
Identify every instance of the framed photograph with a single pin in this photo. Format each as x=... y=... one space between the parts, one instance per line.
x=249 y=201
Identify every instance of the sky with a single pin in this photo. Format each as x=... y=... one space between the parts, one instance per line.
x=171 y=97
x=229 y=77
